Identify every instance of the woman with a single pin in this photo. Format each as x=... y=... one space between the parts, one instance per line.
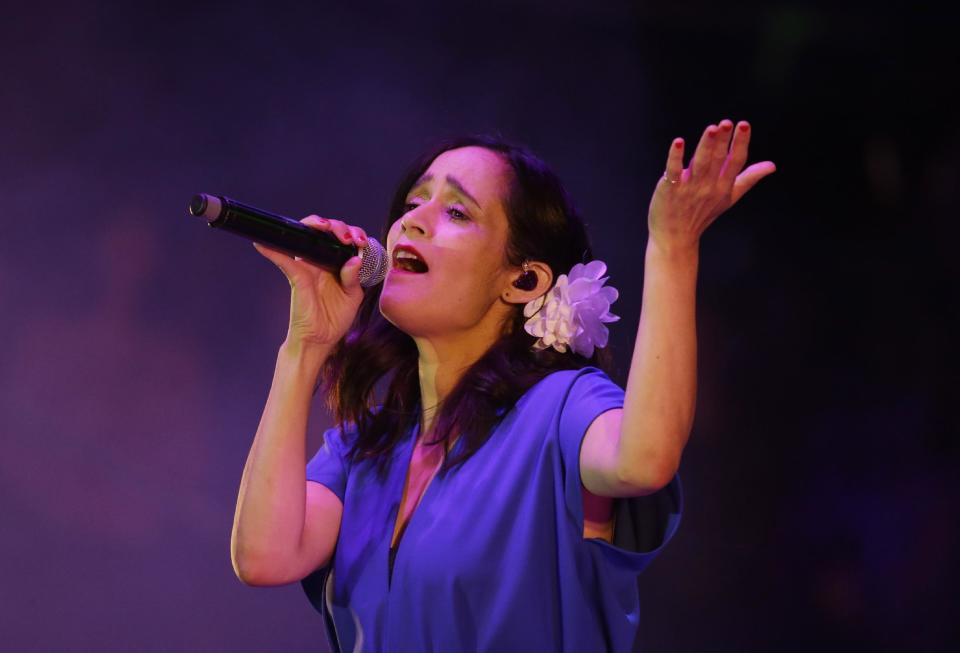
x=488 y=487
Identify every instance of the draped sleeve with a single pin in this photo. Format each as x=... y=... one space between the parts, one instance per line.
x=329 y=465
x=643 y=525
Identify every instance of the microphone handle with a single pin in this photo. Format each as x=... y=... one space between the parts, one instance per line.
x=282 y=233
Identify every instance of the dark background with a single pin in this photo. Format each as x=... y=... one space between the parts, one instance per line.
x=138 y=346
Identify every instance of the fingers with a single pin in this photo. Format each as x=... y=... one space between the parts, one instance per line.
x=345 y=233
x=674 y=170
x=350 y=274
x=716 y=173
x=711 y=153
x=698 y=165
x=348 y=235
x=749 y=178
x=359 y=236
x=703 y=157
x=720 y=147
x=738 y=152
x=723 y=143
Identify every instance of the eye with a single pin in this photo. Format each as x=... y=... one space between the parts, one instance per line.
x=409 y=206
x=457 y=214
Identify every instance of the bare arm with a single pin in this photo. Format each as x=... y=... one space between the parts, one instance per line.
x=637 y=450
x=284 y=527
x=661 y=388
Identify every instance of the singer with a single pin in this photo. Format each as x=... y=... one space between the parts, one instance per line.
x=487 y=486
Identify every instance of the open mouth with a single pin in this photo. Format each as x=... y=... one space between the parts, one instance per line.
x=408 y=259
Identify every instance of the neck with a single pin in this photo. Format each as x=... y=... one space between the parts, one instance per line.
x=442 y=363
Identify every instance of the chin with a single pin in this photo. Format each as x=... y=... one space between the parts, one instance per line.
x=410 y=312
x=421 y=314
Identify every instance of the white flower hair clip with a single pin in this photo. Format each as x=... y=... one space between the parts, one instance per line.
x=574 y=311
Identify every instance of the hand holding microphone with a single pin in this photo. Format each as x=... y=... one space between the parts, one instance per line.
x=327 y=262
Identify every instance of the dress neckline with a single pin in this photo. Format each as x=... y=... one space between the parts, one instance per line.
x=398 y=530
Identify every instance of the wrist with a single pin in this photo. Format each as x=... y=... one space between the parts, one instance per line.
x=304 y=353
x=673 y=251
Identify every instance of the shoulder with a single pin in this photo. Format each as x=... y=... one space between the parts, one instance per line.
x=566 y=378
x=574 y=385
x=340 y=436
x=338 y=442
x=569 y=399
x=345 y=434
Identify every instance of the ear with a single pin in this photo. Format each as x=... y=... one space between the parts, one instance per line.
x=544 y=277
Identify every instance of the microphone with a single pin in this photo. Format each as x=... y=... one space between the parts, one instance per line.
x=290 y=236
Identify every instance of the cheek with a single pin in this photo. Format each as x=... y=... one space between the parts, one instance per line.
x=393 y=234
x=475 y=276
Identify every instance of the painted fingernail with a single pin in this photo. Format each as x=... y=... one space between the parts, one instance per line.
x=744 y=126
x=678 y=143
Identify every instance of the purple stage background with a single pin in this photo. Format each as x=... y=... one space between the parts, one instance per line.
x=821 y=478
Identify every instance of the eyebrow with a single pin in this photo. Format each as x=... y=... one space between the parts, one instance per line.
x=452 y=181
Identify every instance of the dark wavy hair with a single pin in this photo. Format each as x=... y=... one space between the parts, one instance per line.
x=371 y=378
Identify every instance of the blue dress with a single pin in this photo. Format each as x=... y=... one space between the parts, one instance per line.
x=493 y=558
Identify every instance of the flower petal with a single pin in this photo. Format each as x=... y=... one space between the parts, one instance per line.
x=595 y=269
x=534 y=306
x=574 y=311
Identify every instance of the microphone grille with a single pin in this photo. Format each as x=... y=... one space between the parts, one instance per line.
x=373 y=263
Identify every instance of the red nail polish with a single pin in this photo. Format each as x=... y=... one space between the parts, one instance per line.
x=744 y=127
x=678 y=144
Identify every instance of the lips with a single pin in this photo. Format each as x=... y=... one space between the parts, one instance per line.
x=406 y=258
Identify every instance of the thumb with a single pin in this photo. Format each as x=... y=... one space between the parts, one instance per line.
x=350 y=274
x=749 y=178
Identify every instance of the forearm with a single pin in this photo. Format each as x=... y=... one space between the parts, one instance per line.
x=269 y=519
x=662 y=384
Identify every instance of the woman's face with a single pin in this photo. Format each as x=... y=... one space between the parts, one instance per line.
x=456 y=224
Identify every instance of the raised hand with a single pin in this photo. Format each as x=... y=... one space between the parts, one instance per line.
x=687 y=200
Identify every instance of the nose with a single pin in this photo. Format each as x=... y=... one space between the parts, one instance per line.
x=417 y=222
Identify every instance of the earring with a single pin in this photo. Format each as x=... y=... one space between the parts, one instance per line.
x=528 y=280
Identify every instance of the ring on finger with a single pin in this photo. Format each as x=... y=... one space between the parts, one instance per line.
x=672 y=181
